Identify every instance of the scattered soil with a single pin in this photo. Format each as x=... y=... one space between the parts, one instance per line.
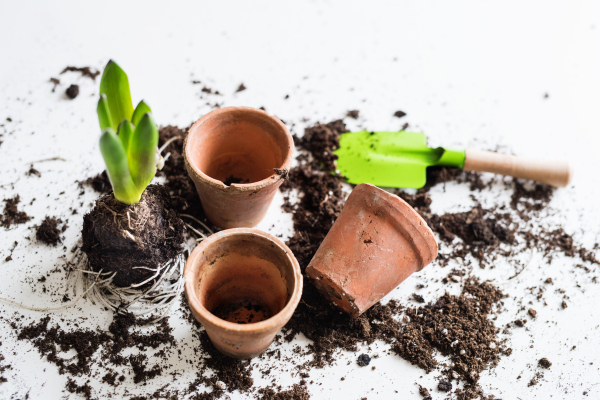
x=100 y=183
x=33 y=171
x=184 y=196
x=459 y=328
x=99 y=348
x=55 y=82
x=297 y=392
x=118 y=237
x=72 y=91
x=320 y=200
x=544 y=363
x=11 y=215
x=241 y=88
x=444 y=386
x=353 y=114
x=424 y=393
x=463 y=331
x=84 y=71
x=321 y=140
x=48 y=231
x=399 y=114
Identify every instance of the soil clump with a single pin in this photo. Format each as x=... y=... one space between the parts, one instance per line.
x=100 y=183
x=72 y=91
x=11 y=215
x=84 y=71
x=48 y=231
x=118 y=237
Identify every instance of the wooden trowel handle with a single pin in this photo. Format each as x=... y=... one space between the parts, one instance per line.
x=555 y=173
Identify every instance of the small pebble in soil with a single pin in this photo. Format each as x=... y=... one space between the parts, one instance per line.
x=363 y=360
x=221 y=385
x=72 y=91
x=544 y=363
x=444 y=386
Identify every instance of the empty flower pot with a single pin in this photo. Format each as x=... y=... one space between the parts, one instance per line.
x=377 y=241
x=242 y=285
x=231 y=155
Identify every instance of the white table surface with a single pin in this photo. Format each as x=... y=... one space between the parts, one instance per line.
x=468 y=73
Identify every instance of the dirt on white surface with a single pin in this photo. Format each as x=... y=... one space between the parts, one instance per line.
x=520 y=78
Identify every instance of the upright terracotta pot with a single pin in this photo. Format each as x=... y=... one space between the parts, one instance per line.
x=377 y=241
x=243 y=145
x=242 y=285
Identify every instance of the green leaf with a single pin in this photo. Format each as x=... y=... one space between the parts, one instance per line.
x=125 y=133
x=115 y=85
x=141 y=153
x=141 y=109
x=103 y=111
x=117 y=168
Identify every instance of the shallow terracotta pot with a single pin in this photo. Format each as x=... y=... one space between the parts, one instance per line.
x=242 y=285
x=377 y=241
x=238 y=144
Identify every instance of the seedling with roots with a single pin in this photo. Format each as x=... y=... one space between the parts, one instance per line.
x=129 y=141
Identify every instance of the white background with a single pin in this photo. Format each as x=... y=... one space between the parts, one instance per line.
x=467 y=73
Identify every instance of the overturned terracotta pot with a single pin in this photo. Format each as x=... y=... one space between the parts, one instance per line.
x=242 y=285
x=377 y=241
x=232 y=155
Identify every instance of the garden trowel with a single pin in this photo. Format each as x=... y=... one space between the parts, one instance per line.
x=400 y=159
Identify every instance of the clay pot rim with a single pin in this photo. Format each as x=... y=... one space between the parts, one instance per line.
x=422 y=228
x=275 y=322
x=199 y=174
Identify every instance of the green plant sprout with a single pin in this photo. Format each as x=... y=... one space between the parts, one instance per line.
x=131 y=154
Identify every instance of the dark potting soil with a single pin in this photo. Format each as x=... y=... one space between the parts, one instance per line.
x=118 y=237
x=297 y=392
x=48 y=231
x=321 y=140
x=320 y=201
x=11 y=215
x=184 y=196
x=234 y=179
x=84 y=71
x=100 y=183
x=99 y=348
x=72 y=91
x=353 y=114
x=459 y=328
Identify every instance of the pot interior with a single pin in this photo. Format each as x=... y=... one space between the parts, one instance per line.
x=245 y=279
x=239 y=146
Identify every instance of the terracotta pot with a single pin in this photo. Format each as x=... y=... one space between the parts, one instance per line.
x=377 y=241
x=251 y=281
x=237 y=144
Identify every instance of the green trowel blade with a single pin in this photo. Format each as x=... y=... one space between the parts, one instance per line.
x=391 y=159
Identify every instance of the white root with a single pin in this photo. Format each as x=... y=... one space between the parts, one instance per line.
x=198 y=221
x=167 y=143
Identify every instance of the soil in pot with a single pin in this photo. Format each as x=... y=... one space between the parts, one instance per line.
x=132 y=240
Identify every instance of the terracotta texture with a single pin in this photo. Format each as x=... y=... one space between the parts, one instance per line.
x=376 y=243
x=243 y=143
x=247 y=273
